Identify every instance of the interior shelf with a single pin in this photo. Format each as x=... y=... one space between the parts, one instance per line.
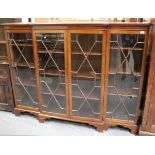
x=20 y=44
x=26 y=83
x=52 y=72
x=124 y=92
x=2 y=42
x=23 y=64
x=86 y=53
x=126 y=48
x=89 y=98
x=114 y=71
x=125 y=95
x=45 y=52
x=46 y=41
x=55 y=94
x=4 y=62
x=73 y=53
x=86 y=75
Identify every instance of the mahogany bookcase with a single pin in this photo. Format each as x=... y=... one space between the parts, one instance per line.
x=89 y=72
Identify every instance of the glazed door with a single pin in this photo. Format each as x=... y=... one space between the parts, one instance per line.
x=23 y=68
x=125 y=75
x=51 y=51
x=87 y=54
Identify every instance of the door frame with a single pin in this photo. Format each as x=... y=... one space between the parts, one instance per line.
x=37 y=71
x=123 y=31
x=18 y=106
x=104 y=43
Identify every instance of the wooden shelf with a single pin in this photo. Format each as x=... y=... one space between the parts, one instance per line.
x=26 y=83
x=76 y=94
x=48 y=41
x=89 y=98
x=125 y=93
x=4 y=62
x=2 y=42
x=20 y=44
x=56 y=94
x=86 y=53
x=113 y=71
x=55 y=72
x=113 y=41
x=128 y=95
x=52 y=72
x=86 y=76
x=126 y=48
x=23 y=65
x=45 y=52
x=73 y=53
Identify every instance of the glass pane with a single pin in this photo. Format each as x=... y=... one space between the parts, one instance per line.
x=21 y=49
x=50 y=48
x=126 y=54
x=86 y=44
x=86 y=62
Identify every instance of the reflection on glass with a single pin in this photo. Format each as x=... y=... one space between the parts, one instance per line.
x=126 y=54
x=21 y=50
x=86 y=51
x=50 y=48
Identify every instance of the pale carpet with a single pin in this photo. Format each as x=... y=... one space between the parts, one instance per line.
x=28 y=125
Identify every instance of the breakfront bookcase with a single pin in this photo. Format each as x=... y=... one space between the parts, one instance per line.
x=148 y=122
x=83 y=72
x=6 y=99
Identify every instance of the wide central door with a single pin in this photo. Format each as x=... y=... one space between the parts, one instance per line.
x=87 y=66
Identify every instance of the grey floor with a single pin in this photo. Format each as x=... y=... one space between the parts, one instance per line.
x=28 y=125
